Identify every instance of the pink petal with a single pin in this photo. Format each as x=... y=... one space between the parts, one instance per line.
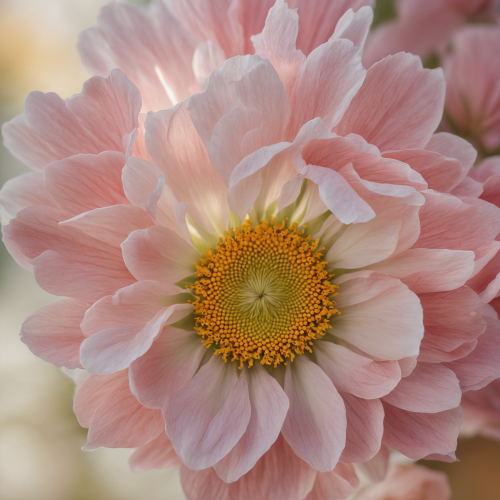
x=399 y=105
x=93 y=392
x=481 y=366
x=356 y=374
x=67 y=261
x=365 y=427
x=158 y=254
x=315 y=426
x=354 y=26
x=53 y=332
x=468 y=187
x=453 y=146
x=175 y=146
x=314 y=96
x=337 y=194
x=169 y=364
x=113 y=224
x=85 y=182
x=139 y=179
x=24 y=191
x=208 y=416
x=448 y=222
x=269 y=406
x=430 y=388
x=334 y=485
x=319 y=17
x=245 y=108
x=157 y=454
x=453 y=321
x=277 y=44
x=337 y=152
x=442 y=174
x=280 y=474
x=426 y=270
x=379 y=315
x=120 y=421
x=417 y=435
x=93 y=121
x=138 y=40
x=394 y=228
x=122 y=327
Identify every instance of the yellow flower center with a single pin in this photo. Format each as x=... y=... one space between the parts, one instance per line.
x=263 y=294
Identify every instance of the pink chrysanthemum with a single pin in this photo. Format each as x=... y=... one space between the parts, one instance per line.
x=274 y=271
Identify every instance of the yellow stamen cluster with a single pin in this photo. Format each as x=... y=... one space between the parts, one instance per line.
x=263 y=294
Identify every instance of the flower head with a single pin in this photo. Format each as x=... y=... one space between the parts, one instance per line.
x=274 y=270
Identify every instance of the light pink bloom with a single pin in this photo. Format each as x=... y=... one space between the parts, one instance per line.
x=409 y=483
x=121 y=229
x=424 y=27
x=472 y=71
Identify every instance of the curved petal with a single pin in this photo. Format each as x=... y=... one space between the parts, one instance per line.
x=365 y=427
x=315 y=426
x=339 y=196
x=451 y=319
x=245 y=108
x=481 y=366
x=355 y=374
x=94 y=390
x=120 y=421
x=280 y=474
x=269 y=406
x=111 y=224
x=53 y=332
x=379 y=315
x=277 y=44
x=66 y=261
x=314 y=96
x=169 y=364
x=209 y=415
x=430 y=388
x=24 y=191
x=157 y=454
x=456 y=224
x=93 y=121
x=318 y=19
x=159 y=254
x=175 y=146
x=121 y=328
x=85 y=182
x=426 y=270
x=417 y=435
x=399 y=105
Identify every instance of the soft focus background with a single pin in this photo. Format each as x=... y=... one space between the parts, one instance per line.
x=40 y=439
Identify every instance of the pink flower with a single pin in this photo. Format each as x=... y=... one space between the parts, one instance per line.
x=424 y=27
x=473 y=93
x=304 y=232
x=409 y=483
